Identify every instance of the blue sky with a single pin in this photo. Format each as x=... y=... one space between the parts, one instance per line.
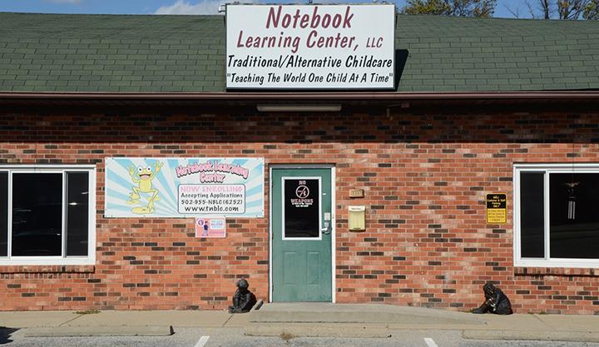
x=178 y=6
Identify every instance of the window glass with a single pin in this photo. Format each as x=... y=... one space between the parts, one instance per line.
x=532 y=216
x=574 y=221
x=45 y=215
x=37 y=214
x=77 y=213
x=556 y=206
x=3 y=214
x=302 y=208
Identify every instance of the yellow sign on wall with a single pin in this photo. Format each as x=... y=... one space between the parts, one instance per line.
x=497 y=208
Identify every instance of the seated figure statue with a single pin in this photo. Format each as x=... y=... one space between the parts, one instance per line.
x=495 y=301
x=243 y=300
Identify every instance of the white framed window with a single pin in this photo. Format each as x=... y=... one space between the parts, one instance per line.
x=47 y=215
x=556 y=215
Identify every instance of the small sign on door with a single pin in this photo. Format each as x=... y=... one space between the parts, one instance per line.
x=301 y=209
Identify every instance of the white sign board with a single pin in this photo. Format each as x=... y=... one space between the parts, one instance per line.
x=310 y=46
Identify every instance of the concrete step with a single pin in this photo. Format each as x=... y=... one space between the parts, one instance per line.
x=366 y=314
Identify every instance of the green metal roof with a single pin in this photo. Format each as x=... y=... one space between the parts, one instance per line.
x=162 y=54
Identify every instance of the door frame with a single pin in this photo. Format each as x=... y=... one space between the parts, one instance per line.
x=333 y=222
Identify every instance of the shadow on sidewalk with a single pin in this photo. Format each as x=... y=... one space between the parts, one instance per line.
x=5 y=334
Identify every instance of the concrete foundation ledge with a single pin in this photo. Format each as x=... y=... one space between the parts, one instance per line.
x=82 y=331
x=320 y=330
x=570 y=336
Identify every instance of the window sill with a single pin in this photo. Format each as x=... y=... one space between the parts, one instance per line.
x=555 y=271
x=19 y=269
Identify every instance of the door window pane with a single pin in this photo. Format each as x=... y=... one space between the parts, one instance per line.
x=532 y=216
x=77 y=213
x=574 y=221
x=37 y=214
x=3 y=214
x=302 y=208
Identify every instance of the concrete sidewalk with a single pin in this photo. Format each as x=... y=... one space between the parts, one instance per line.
x=382 y=320
x=309 y=320
x=114 y=323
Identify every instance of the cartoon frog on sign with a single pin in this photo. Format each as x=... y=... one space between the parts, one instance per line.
x=143 y=180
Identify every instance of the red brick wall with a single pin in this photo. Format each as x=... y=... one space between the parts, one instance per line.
x=425 y=179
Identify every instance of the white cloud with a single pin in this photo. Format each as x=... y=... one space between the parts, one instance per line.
x=184 y=7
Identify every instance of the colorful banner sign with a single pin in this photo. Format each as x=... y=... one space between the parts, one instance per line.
x=310 y=46
x=184 y=187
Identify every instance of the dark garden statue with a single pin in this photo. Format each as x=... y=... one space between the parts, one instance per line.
x=495 y=301
x=243 y=300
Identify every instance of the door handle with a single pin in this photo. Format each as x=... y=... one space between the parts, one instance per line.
x=327 y=228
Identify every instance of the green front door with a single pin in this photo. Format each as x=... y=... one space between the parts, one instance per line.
x=301 y=230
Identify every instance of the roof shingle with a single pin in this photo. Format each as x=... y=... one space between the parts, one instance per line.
x=161 y=54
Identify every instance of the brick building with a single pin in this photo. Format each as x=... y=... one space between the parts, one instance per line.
x=484 y=110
